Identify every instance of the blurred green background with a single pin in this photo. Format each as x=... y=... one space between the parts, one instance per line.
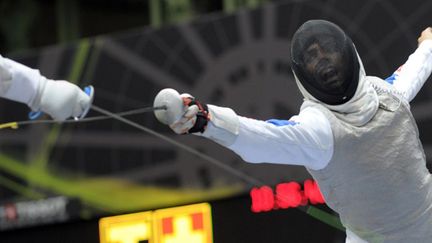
x=28 y=24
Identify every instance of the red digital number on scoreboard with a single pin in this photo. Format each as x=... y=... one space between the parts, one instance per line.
x=287 y=195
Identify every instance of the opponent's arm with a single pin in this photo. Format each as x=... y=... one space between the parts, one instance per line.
x=410 y=77
x=304 y=140
x=59 y=99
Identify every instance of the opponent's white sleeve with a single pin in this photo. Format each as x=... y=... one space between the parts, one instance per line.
x=18 y=82
x=411 y=76
x=307 y=140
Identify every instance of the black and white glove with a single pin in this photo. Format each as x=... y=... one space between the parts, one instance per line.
x=184 y=114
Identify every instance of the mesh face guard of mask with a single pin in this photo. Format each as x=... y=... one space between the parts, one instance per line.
x=325 y=62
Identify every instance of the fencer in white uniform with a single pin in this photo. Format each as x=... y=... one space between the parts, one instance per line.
x=354 y=133
x=58 y=98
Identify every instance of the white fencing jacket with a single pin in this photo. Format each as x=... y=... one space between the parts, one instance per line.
x=305 y=139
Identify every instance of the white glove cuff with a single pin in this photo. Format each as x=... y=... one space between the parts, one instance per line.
x=223 y=126
x=20 y=83
x=5 y=76
x=35 y=103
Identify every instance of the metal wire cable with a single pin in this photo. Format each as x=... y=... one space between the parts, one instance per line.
x=220 y=164
x=310 y=210
x=94 y=118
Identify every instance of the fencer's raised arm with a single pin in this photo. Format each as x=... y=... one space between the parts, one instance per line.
x=410 y=77
x=305 y=139
x=59 y=99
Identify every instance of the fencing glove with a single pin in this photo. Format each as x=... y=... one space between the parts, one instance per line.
x=184 y=114
x=61 y=99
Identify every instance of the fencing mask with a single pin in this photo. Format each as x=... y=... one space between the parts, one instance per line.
x=325 y=62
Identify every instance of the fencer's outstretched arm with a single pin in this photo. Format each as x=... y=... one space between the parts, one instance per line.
x=59 y=99
x=410 y=77
x=306 y=139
